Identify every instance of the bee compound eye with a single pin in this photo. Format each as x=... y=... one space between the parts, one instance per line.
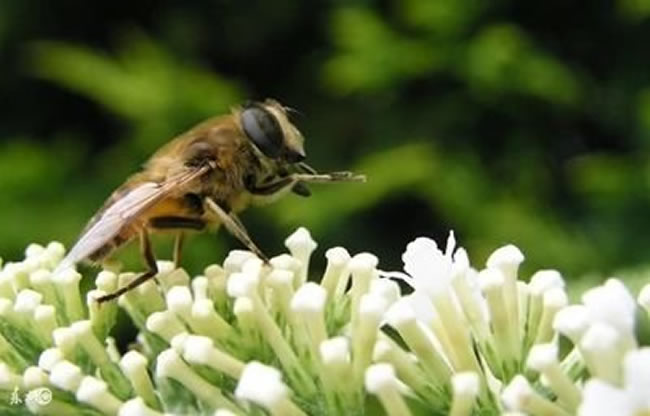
x=263 y=129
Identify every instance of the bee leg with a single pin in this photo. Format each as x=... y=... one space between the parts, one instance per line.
x=271 y=187
x=150 y=259
x=236 y=228
x=178 y=248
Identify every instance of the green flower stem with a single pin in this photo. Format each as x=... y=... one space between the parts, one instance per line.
x=380 y=380
x=286 y=407
x=273 y=335
x=568 y=393
x=97 y=353
x=68 y=284
x=363 y=270
x=457 y=335
x=501 y=324
x=407 y=370
x=471 y=308
x=134 y=366
x=171 y=365
x=206 y=321
x=415 y=337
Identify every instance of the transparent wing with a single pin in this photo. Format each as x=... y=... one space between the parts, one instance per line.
x=122 y=212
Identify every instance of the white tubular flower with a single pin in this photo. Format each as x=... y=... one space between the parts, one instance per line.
x=242 y=284
x=520 y=396
x=429 y=270
x=235 y=260
x=8 y=379
x=381 y=381
x=106 y=281
x=387 y=289
x=169 y=364
x=137 y=407
x=68 y=284
x=309 y=304
x=6 y=283
x=178 y=342
x=134 y=366
x=470 y=298
x=544 y=280
x=164 y=324
x=636 y=379
x=49 y=358
x=200 y=285
x=371 y=310
x=95 y=392
x=541 y=282
x=572 y=322
x=544 y=359
x=335 y=356
x=34 y=250
x=507 y=344
x=263 y=386
x=613 y=304
x=206 y=321
x=201 y=350
x=102 y=316
x=65 y=339
x=45 y=322
x=507 y=259
x=466 y=387
x=35 y=377
x=224 y=412
x=281 y=281
x=603 y=350
x=644 y=298
x=363 y=268
x=335 y=273
x=402 y=317
x=603 y=399
x=286 y=262
x=66 y=376
x=179 y=300
x=89 y=342
x=553 y=301
x=404 y=363
x=432 y=274
x=177 y=277
x=244 y=310
x=18 y=276
x=41 y=281
x=54 y=253
x=301 y=245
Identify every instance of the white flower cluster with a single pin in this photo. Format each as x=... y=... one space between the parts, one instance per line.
x=253 y=338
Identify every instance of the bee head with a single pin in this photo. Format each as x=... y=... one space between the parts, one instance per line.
x=266 y=124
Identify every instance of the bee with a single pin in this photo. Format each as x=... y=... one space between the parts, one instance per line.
x=201 y=180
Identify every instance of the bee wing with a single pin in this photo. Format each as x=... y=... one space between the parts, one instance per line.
x=121 y=212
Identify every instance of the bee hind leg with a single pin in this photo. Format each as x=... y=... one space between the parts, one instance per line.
x=178 y=248
x=150 y=259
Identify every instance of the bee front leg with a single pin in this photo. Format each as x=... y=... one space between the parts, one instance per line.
x=150 y=259
x=235 y=227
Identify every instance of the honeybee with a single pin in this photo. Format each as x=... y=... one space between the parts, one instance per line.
x=202 y=179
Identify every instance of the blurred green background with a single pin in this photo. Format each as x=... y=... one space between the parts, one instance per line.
x=507 y=121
